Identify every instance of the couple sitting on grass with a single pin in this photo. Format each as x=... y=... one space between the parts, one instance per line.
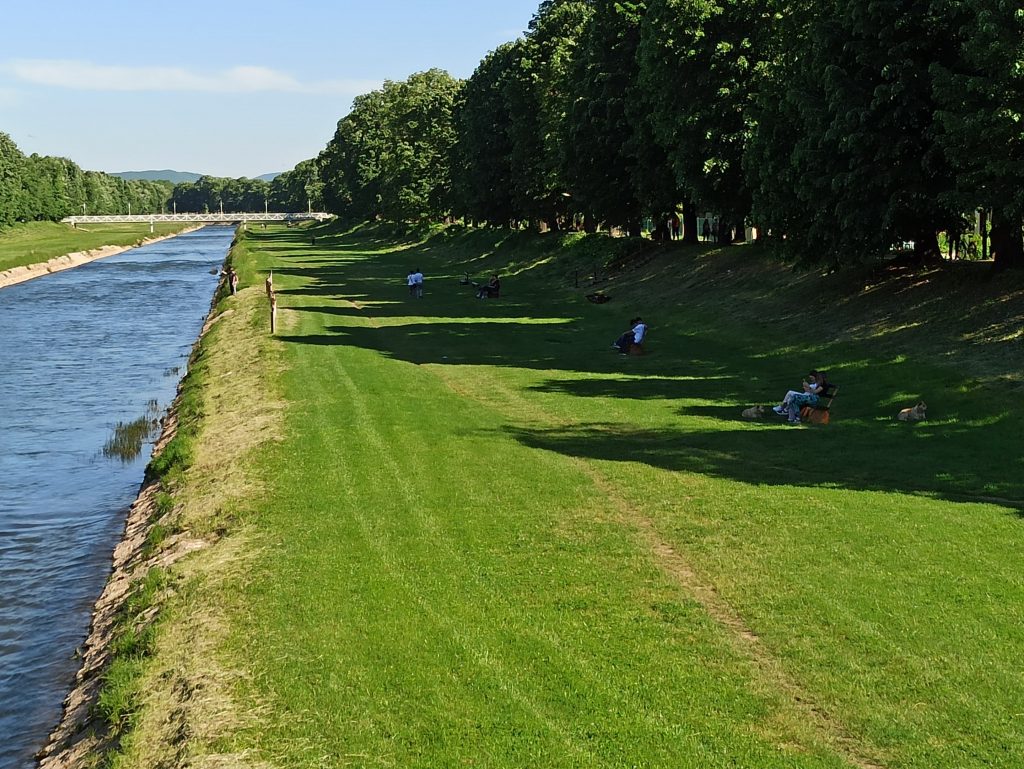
x=814 y=387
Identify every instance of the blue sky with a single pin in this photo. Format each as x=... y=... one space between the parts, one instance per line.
x=220 y=87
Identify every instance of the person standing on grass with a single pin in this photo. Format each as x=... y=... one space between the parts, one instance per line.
x=417 y=280
x=411 y=282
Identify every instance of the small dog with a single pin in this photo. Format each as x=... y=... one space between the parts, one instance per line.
x=754 y=412
x=913 y=414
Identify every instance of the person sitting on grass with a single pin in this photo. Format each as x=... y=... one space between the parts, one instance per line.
x=635 y=335
x=490 y=290
x=813 y=387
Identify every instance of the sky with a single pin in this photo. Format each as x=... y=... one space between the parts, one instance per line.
x=220 y=87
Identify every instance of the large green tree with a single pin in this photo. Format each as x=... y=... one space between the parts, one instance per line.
x=700 y=61
x=847 y=132
x=980 y=97
x=481 y=156
x=12 y=169
x=599 y=151
x=539 y=95
x=390 y=156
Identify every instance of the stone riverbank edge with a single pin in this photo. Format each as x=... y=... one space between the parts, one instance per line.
x=17 y=275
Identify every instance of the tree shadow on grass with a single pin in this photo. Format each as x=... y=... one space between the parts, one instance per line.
x=788 y=457
x=709 y=382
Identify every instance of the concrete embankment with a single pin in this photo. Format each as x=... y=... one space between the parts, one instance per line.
x=26 y=272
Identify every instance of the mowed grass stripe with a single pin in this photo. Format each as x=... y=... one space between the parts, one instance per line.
x=441 y=592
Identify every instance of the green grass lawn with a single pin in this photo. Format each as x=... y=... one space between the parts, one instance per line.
x=491 y=541
x=41 y=241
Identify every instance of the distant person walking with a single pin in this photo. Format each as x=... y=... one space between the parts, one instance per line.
x=706 y=229
x=233 y=280
x=410 y=280
x=417 y=279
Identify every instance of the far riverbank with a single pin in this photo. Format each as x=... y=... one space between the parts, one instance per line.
x=21 y=273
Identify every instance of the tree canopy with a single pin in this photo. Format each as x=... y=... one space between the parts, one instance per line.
x=840 y=129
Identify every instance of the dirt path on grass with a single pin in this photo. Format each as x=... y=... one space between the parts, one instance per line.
x=59 y=263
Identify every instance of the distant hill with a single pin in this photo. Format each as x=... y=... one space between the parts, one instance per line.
x=167 y=175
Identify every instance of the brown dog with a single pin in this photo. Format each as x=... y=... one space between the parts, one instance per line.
x=754 y=412
x=914 y=413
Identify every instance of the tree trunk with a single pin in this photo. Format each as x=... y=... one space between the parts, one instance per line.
x=634 y=228
x=1007 y=243
x=983 y=227
x=589 y=223
x=690 y=234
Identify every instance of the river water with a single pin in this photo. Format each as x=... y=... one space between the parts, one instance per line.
x=82 y=350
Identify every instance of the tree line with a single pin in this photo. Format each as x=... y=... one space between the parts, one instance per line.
x=40 y=187
x=37 y=187
x=295 y=190
x=840 y=129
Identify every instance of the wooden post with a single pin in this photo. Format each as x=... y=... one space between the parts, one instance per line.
x=273 y=302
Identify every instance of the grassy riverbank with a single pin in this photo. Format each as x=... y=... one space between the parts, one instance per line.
x=480 y=537
x=37 y=242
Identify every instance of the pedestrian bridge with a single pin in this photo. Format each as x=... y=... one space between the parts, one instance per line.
x=215 y=218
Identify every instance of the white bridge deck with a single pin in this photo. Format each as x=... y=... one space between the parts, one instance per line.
x=215 y=218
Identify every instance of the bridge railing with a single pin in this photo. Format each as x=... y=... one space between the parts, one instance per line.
x=201 y=218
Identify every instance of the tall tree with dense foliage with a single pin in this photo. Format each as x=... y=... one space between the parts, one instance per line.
x=980 y=96
x=539 y=94
x=481 y=157
x=297 y=189
x=12 y=163
x=416 y=171
x=599 y=157
x=390 y=156
x=863 y=168
x=44 y=187
x=699 y=67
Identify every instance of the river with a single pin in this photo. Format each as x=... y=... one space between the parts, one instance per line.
x=82 y=351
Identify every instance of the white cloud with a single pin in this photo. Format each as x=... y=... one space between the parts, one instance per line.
x=86 y=76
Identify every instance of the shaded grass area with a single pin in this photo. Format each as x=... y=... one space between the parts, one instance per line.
x=36 y=242
x=489 y=540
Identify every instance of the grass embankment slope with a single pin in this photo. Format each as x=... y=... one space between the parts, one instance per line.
x=36 y=242
x=486 y=539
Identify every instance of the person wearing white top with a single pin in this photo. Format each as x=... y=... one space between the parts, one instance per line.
x=635 y=335
x=639 y=331
x=417 y=279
